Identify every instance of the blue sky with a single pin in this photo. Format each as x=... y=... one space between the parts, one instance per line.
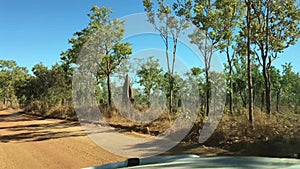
x=34 y=31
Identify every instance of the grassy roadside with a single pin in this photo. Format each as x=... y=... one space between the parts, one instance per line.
x=275 y=136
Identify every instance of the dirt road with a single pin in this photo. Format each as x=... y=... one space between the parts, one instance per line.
x=33 y=142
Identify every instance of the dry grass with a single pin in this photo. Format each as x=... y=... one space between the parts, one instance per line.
x=275 y=135
x=59 y=112
x=64 y=112
x=2 y=107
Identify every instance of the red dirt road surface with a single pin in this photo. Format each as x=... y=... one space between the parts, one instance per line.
x=33 y=142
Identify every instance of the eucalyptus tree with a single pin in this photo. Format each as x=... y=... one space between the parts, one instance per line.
x=150 y=76
x=290 y=87
x=6 y=85
x=205 y=37
x=240 y=80
x=42 y=82
x=100 y=46
x=276 y=27
x=170 y=20
x=230 y=13
x=287 y=76
x=245 y=49
x=19 y=76
x=217 y=24
x=60 y=92
x=11 y=77
x=178 y=89
x=196 y=75
x=249 y=59
x=276 y=81
x=258 y=86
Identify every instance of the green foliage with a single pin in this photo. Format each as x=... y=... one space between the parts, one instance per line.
x=171 y=22
x=101 y=46
x=222 y=26
x=50 y=87
x=275 y=27
x=11 y=78
x=278 y=25
x=150 y=76
x=290 y=84
x=216 y=23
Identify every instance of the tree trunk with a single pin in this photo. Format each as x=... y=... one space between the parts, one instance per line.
x=171 y=81
x=170 y=76
x=277 y=101
x=231 y=93
x=262 y=101
x=230 y=82
x=125 y=98
x=267 y=67
x=109 y=90
x=253 y=94
x=250 y=87
x=266 y=75
x=207 y=92
x=149 y=96
x=243 y=99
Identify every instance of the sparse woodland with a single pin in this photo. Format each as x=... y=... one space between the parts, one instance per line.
x=262 y=101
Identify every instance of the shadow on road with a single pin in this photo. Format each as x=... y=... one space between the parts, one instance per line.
x=19 y=127
x=10 y=117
